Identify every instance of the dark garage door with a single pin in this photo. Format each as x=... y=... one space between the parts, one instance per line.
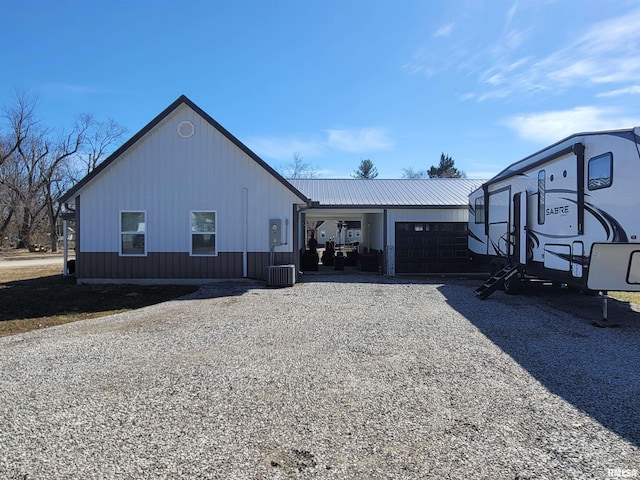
x=431 y=247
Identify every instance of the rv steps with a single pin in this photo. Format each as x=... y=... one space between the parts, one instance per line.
x=497 y=280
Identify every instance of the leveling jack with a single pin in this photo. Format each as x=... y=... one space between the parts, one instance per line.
x=604 y=323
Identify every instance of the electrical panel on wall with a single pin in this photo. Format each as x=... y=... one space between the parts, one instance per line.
x=275 y=232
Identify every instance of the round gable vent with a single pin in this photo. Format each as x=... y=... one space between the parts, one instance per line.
x=186 y=129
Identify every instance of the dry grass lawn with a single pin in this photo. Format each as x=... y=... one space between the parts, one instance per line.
x=34 y=297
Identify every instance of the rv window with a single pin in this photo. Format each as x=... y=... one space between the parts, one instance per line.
x=600 y=171
x=480 y=210
x=541 y=194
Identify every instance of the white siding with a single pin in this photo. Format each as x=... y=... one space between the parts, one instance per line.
x=168 y=176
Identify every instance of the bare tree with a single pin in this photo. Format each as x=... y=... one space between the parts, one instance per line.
x=27 y=188
x=36 y=176
x=101 y=138
x=38 y=165
x=54 y=178
x=411 y=173
x=9 y=201
x=21 y=119
x=298 y=168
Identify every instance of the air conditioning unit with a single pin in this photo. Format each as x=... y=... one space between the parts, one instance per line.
x=281 y=276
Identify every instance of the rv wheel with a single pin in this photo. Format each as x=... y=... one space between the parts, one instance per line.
x=513 y=285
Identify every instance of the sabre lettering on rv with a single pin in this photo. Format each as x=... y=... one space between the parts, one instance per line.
x=562 y=210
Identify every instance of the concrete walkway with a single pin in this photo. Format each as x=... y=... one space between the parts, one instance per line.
x=30 y=262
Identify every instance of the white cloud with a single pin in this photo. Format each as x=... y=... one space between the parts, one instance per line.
x=359 y=141
x=606 y=52
x=632 y=90
x=466 y=96
x=283 y=148
x=549 y=127
x=444 y=30
x=482 y=174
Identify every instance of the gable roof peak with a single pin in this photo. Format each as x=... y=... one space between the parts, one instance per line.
x=182 y=99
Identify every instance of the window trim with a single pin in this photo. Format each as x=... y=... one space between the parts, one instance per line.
x=598 y=157
x=126 y=232
x=192 y=233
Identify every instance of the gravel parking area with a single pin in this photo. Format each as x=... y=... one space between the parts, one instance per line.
x=356 y=377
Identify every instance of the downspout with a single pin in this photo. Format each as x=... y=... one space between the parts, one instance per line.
x=245 y=230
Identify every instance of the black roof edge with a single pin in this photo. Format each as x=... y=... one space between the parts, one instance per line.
x=182 y=99
x=557 y=154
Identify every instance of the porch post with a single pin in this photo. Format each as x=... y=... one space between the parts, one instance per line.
x=65 y=247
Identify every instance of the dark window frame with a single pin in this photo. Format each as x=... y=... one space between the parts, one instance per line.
x=595 y=183
x=203 y=234
x=136 y=238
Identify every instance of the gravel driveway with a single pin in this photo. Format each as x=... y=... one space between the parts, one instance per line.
x=357 y=377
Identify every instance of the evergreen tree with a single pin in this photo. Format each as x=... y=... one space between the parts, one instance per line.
x=366 y=170
x=445 y=169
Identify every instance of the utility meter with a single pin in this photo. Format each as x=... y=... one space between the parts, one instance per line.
x=275 y=232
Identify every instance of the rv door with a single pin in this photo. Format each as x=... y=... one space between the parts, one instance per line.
x=498 y=211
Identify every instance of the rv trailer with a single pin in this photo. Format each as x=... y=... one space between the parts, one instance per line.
x=569 y=213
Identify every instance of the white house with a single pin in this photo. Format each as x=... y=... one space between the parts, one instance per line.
x=186 y=201
x=183 y=200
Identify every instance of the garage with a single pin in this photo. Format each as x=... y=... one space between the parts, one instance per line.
x=431 y=247
x=418 y=226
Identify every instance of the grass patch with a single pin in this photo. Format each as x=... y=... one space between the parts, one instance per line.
x=39 y=297
x=629 y=297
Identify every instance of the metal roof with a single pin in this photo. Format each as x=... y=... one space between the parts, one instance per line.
x=431 y=192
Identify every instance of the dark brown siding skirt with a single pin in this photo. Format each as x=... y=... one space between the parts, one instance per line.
x=172 y=265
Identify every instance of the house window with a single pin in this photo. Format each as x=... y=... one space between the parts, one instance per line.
x=600 y=171
x=479 y=210
x=133 y=228
x=542 y=189
x=203 y=233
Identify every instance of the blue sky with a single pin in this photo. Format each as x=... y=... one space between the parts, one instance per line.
x=398 y=82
